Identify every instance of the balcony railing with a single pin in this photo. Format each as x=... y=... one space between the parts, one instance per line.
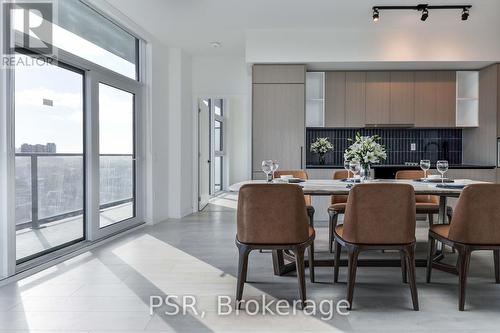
x=50 y=186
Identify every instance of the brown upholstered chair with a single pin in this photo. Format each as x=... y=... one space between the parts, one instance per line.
x=378 y=217
x=425 y=204
x=310 y=209
x=337 y=207
x=475 y=225
x=272 y=217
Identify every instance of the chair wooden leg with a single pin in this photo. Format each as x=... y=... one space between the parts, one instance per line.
x=410 y=256
x=243 y=250
x=338 y=249
x=353 y=265
x=463 y=268
x=496 y=258
x=403 y=266
x=332 y=223
x=311 y=262
x=430 y=256
x=299 y=262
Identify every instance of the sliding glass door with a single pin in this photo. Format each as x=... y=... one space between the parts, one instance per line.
x=49 y=158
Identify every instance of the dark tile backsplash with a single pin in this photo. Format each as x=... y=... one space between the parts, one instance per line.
x=432 y=144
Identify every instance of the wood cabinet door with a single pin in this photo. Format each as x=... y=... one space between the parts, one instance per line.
x=425 y=99
x=402 y=109
x=279 y=74
x=378 y=98
x=355 y=104
x=446 y=101
x=278 y=129
x=335 y=99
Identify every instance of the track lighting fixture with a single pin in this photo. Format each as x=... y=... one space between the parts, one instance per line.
x=465 y=14
x=425 y=14
x=424 y=8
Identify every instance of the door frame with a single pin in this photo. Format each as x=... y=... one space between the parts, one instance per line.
x=94 y=231
x=212 y=154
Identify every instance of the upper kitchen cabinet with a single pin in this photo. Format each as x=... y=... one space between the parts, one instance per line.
x=355 y=99
x=315 y=99
x=279 y=74
x=402 y=100
x=278 y=116
x=467 y=99
x=378 y=98
x=435 y=99
x=335 y=93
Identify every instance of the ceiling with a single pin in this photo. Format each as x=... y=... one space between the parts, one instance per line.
x=193 y=24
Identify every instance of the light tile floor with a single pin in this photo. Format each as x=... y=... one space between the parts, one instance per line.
x=109 y=288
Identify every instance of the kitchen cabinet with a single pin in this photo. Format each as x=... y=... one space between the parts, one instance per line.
x=402 y=99
x=335 y=89
x=435 y=98
x=378 y=98
x=278 y=129
x=355 y=99
x=279 y=74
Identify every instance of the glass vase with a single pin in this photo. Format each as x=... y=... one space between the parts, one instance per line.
x=365 y=172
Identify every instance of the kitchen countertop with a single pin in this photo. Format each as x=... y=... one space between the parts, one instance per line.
x=459 y=166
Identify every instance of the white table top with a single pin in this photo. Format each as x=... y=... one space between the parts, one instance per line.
x=331 y=187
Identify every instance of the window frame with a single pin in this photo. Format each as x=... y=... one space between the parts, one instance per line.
x=8 y=265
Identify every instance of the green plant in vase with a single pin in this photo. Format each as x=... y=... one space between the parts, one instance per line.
x=365 y=150
x=321 y=147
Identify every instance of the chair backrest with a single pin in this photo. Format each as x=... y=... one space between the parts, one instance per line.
x=294 y=173
x=476 y=217
x=339 y=174
x=416 y=174
x=272 y=214
x=380 y=214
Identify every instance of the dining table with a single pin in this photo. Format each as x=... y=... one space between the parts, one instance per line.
x=283 y=262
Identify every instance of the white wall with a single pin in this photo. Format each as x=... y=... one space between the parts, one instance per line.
x=416 y=42
x=179 y=135
x=228 y=77
x=157 y=193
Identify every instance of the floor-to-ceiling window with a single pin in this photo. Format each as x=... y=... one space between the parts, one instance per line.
x=76 y=118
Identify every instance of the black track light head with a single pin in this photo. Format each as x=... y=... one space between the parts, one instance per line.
x=465 y=14
x=425 y=14
x=376 y=15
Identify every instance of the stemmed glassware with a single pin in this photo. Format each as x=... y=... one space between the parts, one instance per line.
x=442 y=167
x=425 y=165
x=346 y=167
x=274 y=166
x=267 y=168
x=355 y=168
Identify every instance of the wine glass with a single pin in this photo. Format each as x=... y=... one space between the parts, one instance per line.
x=267 y=168
x=442 y=167
x=346 y=167
x=425 y=165
x=355 y=168
x=274 y=166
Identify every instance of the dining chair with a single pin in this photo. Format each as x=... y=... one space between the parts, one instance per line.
x=273 y=217
x=475 y=225
x=301 y=174
x=378 y=217
x=337 y=207
x=424 y=204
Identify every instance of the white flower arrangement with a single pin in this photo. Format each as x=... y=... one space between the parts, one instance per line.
x=321 y=146
x=366 y=150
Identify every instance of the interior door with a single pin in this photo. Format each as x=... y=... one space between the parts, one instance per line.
x=203 y=153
